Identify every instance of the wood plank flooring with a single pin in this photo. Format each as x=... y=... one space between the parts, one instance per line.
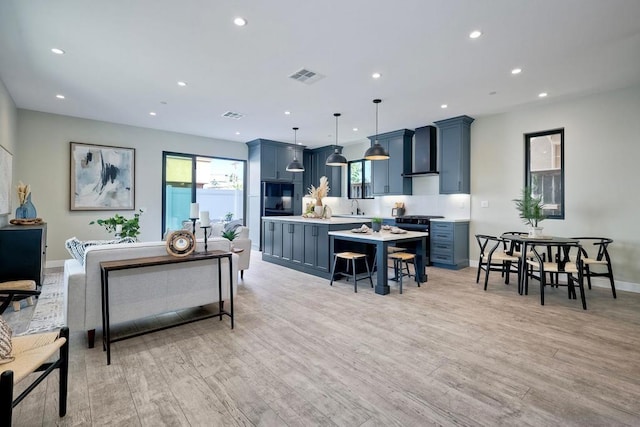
x=304 y=353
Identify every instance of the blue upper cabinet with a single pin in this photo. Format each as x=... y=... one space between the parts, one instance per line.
x=455 y=155
x=274 y=158
x=320 y=169
x=387 y=175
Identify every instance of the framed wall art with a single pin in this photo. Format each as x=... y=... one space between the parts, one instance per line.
x=102 y=177
x=6 y=161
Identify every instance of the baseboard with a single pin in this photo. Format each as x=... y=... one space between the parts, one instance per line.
x=55 y=263
x=598 y=282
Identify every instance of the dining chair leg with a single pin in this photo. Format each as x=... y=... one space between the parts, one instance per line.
x=542 y=283
x=613 y=286
x=588 y=271
x=479 y=268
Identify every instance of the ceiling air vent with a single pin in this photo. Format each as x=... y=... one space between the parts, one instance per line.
x=232 y=115
x=306 y=76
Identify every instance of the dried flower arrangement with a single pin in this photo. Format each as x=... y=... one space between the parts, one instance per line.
x=322 y=190
x=23 y=192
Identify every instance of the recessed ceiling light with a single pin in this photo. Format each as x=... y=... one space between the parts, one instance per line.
x=60 y=96
x=57 y=51
x=240 y=22
x=153 y=113
x=287 y=113
x=516 y=71
x=163 y=102
x=543 y=94
x=237 y=133
x=183 y=84
x=444 y=106
x=493 y=92
x=475 y=34
x=376 y=75
x=355 y=129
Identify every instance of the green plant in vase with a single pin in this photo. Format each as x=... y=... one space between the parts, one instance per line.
x=531 y=210
x=376 y=223
x=121 y=226
x=229 y=235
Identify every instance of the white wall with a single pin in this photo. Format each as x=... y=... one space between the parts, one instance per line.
x=42 y=159
x=8 y=124
x=602 y=154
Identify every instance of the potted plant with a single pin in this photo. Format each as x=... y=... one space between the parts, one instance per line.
x=229 y=235
x=531 y=210
x=376 y=223
x=121 y=226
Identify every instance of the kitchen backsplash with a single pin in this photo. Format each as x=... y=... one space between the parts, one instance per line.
x=455 y=206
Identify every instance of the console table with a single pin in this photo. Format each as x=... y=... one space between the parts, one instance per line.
x=108 y=266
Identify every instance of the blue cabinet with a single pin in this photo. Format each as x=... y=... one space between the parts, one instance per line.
x=387 y=175
x=316 y=160
x=23 y=252
x=274 y=158
x=455 y=155
x=449 y=244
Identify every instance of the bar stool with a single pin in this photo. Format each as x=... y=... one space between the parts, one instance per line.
x=390 y=250
x=398 y=258
x=351 y=256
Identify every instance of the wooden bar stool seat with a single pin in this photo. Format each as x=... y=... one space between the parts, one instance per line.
x=18 y=285
x=350 y=256
x=398 y=259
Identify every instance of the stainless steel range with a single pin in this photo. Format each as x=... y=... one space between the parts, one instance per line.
x=417 y=223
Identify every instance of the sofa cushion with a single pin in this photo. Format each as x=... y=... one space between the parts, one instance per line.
x=77 y=248
x=5 y=342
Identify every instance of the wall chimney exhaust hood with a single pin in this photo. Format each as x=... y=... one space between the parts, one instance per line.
x=425 y=152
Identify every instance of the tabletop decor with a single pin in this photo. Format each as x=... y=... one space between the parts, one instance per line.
x=102 y=177
x=26 y=210
x=123 y=227
x=317 y=193
x=181 y=243
x=376 y=224
x=531 y=210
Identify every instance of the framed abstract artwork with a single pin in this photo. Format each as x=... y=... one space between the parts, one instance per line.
x=5 y=181
x=102 y=177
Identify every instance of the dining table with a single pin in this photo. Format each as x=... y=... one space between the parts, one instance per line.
x=525 y=243
x=414 y=241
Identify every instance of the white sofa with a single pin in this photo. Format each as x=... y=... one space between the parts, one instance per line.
x=141 y=292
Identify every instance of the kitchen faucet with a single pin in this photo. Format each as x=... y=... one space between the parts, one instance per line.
x=357 y=206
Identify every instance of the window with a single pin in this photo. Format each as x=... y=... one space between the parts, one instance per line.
x=544 y=169
x=359 y=174
x=216 y=184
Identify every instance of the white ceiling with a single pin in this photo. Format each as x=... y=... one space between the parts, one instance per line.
x=124 y=58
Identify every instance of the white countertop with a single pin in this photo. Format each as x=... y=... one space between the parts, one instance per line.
x=382 y=236
x=449 y=220
x=332 y=220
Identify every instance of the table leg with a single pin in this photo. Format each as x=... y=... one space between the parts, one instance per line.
x=421 y=258
x=382 y=287
x=231 y=287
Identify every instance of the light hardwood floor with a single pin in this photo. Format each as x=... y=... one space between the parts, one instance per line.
x=304 y=353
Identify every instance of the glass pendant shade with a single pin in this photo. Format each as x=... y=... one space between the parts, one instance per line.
x=376 y=151
x=295 y=165
x=336 y=159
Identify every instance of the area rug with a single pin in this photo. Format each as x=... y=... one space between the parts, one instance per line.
x=50 y=313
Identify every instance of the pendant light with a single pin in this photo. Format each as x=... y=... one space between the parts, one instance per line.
x=295 y=165
x=376 y=151
x=336 y=159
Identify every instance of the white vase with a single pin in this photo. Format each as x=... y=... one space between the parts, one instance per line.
x=535 y=232
x=318 y=210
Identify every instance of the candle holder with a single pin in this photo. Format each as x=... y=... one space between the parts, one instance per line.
x=204 y=231
x=193 y=221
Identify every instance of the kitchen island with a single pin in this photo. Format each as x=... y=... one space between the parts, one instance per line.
x=303 y=243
